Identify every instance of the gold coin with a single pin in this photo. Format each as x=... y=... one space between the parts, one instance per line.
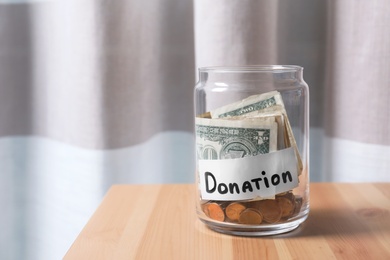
x=289 y=195
x=250 y=216
x=270 y=210
x=286 y=206
x=233 y=210
x=214 y=211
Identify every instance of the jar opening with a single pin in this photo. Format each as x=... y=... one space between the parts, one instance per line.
x=254 y=68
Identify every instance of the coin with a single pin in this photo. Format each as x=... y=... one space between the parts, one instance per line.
x=233 y=210
x=270 y=210
x=289 y=195
x=214 y=211
x=286 y=206
x=250 y=216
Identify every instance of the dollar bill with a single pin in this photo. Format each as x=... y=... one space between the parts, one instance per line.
x=278 y=116
x=261 y=106
x=254 y=103
x=218 y=139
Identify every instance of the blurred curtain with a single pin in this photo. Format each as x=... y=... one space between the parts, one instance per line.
x=344 y=47
x=100 y=92
x=92 y=93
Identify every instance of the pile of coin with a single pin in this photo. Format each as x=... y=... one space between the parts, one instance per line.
x=269 y=211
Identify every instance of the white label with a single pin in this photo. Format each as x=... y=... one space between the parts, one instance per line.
x=250 y=177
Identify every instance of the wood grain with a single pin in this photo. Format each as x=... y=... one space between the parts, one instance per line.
x=346 y=221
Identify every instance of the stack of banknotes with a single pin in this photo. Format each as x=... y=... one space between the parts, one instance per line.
x=252 y=126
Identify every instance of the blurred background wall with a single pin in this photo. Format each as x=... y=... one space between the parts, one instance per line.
x=94 y=93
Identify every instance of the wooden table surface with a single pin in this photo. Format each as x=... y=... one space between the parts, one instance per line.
x=346 y=221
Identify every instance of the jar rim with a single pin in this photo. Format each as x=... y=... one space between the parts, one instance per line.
x=252 y=68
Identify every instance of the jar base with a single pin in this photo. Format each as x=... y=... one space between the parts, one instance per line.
x=255 y=231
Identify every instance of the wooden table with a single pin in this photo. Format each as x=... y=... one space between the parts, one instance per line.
x=346 y=221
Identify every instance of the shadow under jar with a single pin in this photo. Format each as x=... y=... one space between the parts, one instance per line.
x=252 y=149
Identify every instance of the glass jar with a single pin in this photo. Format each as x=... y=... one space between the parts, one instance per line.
x=252 y=149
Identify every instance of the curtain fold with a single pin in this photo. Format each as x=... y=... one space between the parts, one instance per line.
x=225 y=37
x=357 y=112
x=358 y=87
x=100 y=76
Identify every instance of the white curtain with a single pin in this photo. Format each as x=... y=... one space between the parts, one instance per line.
x=94 y=93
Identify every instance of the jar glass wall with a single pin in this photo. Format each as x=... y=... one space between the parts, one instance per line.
x=252 y=149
